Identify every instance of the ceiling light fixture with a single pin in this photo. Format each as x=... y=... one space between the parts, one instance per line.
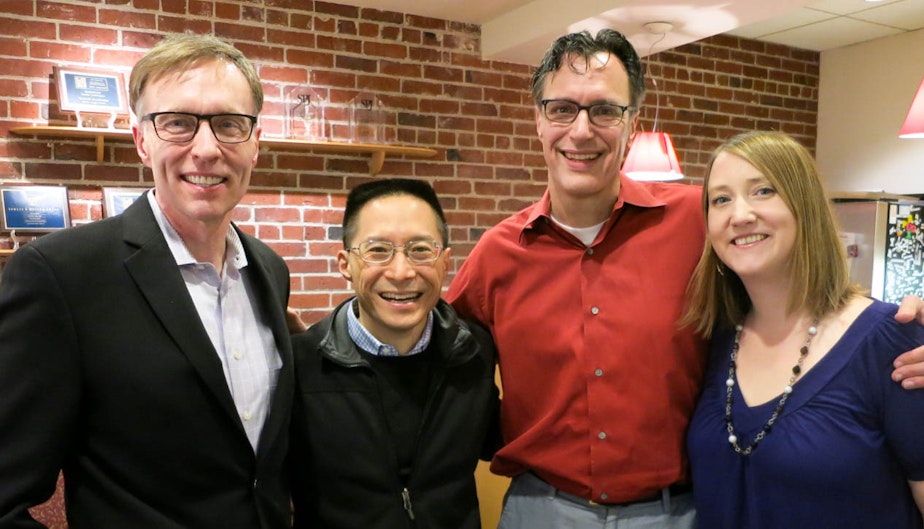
x=913 y=127
x=651 y=155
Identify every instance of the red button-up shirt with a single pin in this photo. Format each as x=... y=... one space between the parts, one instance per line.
x=598 y=380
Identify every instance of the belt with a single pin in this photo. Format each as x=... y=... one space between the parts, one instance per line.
x=662 y=495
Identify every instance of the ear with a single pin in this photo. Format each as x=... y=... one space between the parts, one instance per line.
x=446 y=258
x=256 y=152
x=138 y=137
x=538 y=117
x=343 y=264
x=632 y=126
x=631 y=129
x=633 y=123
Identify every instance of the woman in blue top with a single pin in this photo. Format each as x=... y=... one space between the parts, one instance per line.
x=799 y=425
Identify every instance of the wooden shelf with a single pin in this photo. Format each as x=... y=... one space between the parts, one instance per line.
x=377 y=152
x=100 y=135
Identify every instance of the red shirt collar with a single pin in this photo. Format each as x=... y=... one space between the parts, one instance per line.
x=630 y=192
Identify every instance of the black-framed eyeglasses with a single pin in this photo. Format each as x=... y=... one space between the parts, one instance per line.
x=564 y=111
x=421 y=251
x=181 y=127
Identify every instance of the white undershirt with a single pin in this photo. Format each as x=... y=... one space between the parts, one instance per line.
x=585 y=235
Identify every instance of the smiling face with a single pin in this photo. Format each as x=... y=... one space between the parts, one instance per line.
x=198 y=183
x=749 y=225
x=395 y=298
x=584 y=159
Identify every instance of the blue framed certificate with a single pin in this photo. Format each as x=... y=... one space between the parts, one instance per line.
x=34 y=208
x=90 y=90
x=116 y=199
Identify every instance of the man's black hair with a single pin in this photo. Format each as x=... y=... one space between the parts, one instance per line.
x=582 y=45
x=363 y=193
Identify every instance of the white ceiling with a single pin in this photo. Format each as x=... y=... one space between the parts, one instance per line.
x=520 y=30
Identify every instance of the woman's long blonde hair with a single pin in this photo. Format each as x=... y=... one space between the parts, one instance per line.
x=819 y=275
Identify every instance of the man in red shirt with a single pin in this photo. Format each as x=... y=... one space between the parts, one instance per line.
x=582 y=292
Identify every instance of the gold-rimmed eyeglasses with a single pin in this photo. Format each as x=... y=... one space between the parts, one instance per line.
x=421 y=251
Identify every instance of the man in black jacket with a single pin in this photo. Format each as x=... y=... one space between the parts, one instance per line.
x=396 y=398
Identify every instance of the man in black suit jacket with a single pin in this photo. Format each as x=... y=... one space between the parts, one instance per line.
x=147 y=355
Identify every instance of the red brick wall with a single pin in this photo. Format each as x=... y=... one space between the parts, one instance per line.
x=476 y=114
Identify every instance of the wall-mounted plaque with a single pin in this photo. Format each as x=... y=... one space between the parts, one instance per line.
x=116 y=199
x=91 y=90
x=34 y=208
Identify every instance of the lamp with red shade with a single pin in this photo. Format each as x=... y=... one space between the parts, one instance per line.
x=913 y=127
x=651 y=155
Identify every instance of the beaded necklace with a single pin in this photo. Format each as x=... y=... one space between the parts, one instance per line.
x=730 y=386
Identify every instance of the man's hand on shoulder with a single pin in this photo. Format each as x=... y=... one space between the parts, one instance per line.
x=909 y=366
x=294 y=322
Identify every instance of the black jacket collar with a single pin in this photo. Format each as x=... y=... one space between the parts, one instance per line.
x=452 y=340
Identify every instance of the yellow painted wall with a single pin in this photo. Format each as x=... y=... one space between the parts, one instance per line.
x=491 y=489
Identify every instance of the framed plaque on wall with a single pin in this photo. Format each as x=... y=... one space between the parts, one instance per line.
x=83 y=89
x=34 y=208
x=116 y=199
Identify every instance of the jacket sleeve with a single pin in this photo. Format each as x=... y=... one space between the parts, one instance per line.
x=39 y=385
x=493 y=439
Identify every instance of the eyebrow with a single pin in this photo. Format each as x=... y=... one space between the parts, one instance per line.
x=593 y=102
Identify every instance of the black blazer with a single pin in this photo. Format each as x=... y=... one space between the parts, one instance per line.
x=107 y=372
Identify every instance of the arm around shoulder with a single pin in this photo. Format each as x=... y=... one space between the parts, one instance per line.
x=909 y=369
x=493 y=440
x=909 y=366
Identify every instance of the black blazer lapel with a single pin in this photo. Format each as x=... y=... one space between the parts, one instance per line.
x=155 y=272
